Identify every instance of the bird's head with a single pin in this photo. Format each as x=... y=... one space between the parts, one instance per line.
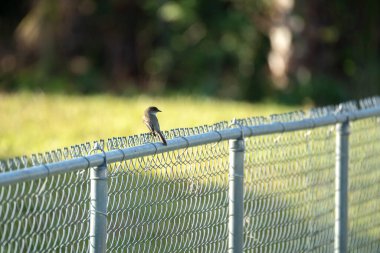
x=152 y=110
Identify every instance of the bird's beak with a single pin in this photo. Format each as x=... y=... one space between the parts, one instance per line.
x=159 y=110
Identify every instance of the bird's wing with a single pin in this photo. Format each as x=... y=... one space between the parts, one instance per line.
x=147 y=123
x=154 y=123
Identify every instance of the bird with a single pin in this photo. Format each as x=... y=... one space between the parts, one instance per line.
x=151 y=121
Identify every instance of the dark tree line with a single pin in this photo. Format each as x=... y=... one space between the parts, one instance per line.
x=244 y=49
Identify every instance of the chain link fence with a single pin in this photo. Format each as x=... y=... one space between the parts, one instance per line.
x=364 y=186
x=289 y=198
x=176 y=198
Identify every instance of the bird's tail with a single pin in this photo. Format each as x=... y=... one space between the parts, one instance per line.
x=162 y=138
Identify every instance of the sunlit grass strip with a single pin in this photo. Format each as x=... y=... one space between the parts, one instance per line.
x=32 y=123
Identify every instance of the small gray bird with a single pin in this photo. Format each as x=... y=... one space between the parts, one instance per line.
x=151 y=121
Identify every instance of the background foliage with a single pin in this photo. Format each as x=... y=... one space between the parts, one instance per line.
x=213 y=48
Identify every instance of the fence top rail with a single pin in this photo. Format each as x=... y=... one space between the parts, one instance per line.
x=237 y=130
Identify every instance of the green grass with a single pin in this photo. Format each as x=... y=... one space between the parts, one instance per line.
x=32 y=123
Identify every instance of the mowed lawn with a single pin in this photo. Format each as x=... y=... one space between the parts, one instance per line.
x=32 y=123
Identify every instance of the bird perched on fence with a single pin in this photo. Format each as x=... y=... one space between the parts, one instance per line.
x=151 y=121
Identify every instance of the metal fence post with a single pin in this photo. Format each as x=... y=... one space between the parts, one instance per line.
x=341 y=187
x=235 y=196
x=98 y=209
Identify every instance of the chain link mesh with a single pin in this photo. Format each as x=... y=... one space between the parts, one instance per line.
x=177 y=201
x=46 y=215
x=289 y=192
x=170 y=202
x=364 y=186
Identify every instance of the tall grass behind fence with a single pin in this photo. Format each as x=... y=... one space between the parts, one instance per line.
x=176 y=198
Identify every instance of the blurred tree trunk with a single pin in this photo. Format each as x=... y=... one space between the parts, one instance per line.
x=35 y=35
x=121 y=37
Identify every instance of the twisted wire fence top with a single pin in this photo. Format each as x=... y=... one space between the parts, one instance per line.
x=177 y=201
x=80 y=150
